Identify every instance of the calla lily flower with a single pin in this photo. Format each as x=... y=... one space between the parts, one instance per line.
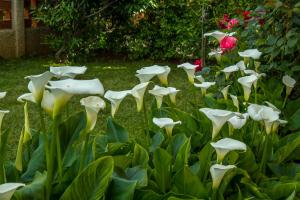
x=138 y=92
x=8 y=189
x=218 y=118
x=217 y=53
x=172 y=94
x=229 y=70
x=237 y=122
x=263 y=113
x=67 y=71
x=241 y=65
x=218 y=35
x=2 y=95
x=199 y=78
x=92 y=106
x=217 y=172
x=190 y=71
x=235 y=102
x=225 y=92
x=273 y=107
x=247 y=82
x=289 y=82
x=26 y=97
x=204 y=86
x=115 y=98
x=252 y=72
x=250 y=53
x=160 y=92
x=2 y=113
x=147 y=73
x=277 y=123
x=226 y=145
x=37 y=85
x=61 y=91
x=166 y=123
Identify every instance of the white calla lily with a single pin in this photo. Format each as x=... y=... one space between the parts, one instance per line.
x=37 y=85
x=190 y=70
x=217 y=172
x=199 y=78
x=225 y=145
x=159 y=93
x=229 y=70
x=204 y=86
x=115 y=98
x=254 y=111
x=145 y=74
x=237 y=122
x=250 y=53
x=2 y=95
x=235 y=101
x=273 y=107
x=289 y=82
x=138 y=93
x=92 y=106
x=166 y=123
x=218 y=35
x=224 y=91
x=241 y=65
x=252 y=72
x=218 y=118
x=2 y=113
x=247 y=82
x=26 y=97
x=67 y=71
x=277 y=123
x=8 y=189
x=172 y=94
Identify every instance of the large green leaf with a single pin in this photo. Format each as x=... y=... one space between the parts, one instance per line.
x=286 y=146
x=185 y=182
x=285 y=169
x=182 y=155
x=156 y=141
x=176 y=143
x=36 y=163
x=147 y=195
x=279 y=190
x=92 y=182
x=140 y=156
x=115 y=132
x=205 y=161
x=138 y=174
x=121 y=189
x=162 y=161
x=294 y=121
x=99 y=146
x=33 y=191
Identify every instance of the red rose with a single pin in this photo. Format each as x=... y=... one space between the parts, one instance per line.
x=232 y=23
x=199 y=64
x=246 y=15
x=228 y=43
x=226 y=18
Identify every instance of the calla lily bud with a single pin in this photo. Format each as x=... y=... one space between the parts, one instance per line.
x=224 y=91
x=235 y=102
x=289 y=82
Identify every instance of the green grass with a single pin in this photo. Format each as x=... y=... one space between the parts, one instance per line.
x=114 y=75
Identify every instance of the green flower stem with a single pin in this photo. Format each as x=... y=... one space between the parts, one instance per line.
x=267 y=148
x=85 y=149
x=146 y=123
x=59 y=158
x=45 y=136
x=214 y=194
x=284 y=102
x=255 y=94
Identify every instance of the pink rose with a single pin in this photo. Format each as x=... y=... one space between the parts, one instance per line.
x=228 y=43
x=232 y=23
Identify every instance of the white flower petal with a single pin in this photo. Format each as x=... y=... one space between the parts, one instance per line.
x=26 y=97
x=190 y=70
x=199 y=78
x=288 y=81
x=226 y=145
x=2 y=95
x=172 y=94
x=250 y=53
x=92 y=106
x=238 y=122
x=217 y=173
x=204 y=85
x=68 y=71
x=72 y=86
x=7 y=190
x=235 y=101
x=166 y=123
x=241 y=65
x=2 y=113
x=247 y=82
x=145 y=74
x=138 y=92
x=218 y=118
x=115 y=98
x=159 y=93
x=218 y=35
x=224 y=91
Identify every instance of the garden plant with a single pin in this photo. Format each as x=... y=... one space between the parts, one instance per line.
x=237 y=141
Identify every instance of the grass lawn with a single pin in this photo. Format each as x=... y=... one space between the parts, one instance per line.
x=114 y=75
